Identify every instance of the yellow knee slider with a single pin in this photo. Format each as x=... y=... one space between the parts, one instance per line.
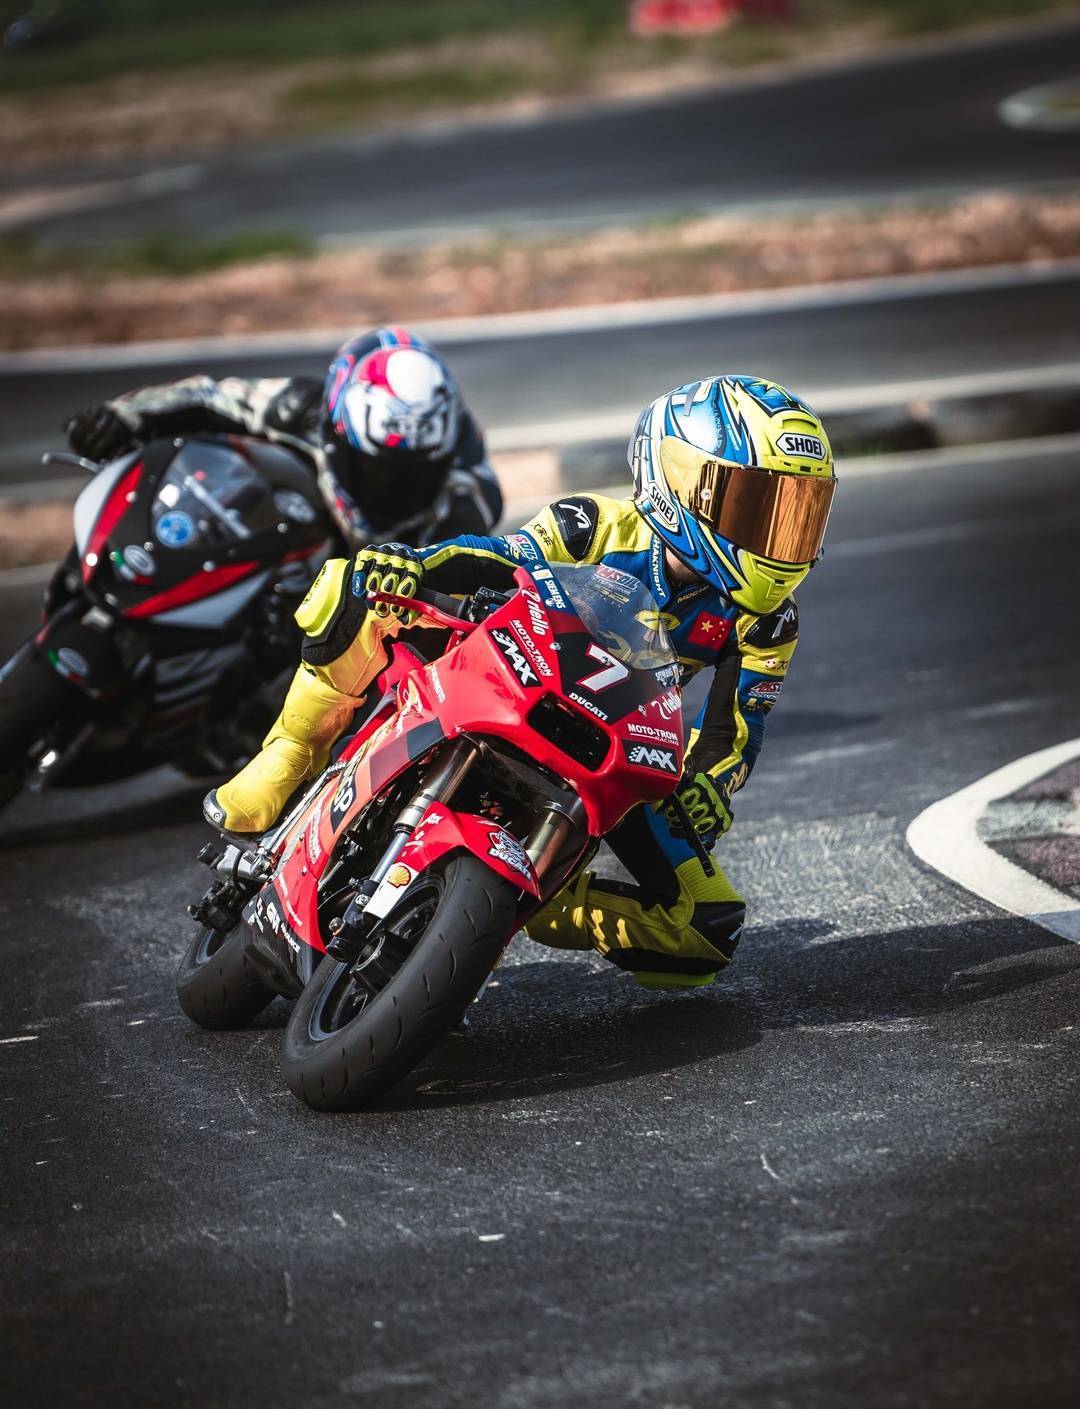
x=663 y=981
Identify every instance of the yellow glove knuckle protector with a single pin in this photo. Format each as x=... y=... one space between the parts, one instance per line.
x=393 y=569
x=704 y=805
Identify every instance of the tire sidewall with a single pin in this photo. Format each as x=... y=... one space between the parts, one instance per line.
x=353 y=1052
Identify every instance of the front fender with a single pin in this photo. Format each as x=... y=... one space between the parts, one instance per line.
x=442 y=830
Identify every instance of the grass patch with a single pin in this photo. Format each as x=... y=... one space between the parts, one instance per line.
x=352 y=96
x=108 y=38
x=119 y=37
x=171 y=256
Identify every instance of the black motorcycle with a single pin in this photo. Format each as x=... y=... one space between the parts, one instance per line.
x=168 y=630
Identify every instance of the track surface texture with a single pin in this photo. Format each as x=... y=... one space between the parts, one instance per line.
x=923 y=121
x=845 y=1175
x=527 y=379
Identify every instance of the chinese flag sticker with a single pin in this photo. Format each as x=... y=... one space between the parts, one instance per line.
x=710 y=630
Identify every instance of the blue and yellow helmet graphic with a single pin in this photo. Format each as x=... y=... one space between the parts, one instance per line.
x=735 y=474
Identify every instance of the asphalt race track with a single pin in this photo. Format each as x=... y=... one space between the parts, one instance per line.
x=925 y=121
x=527 y=379
x=843 y=1177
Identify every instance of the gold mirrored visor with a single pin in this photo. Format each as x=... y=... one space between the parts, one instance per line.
x=773 y=513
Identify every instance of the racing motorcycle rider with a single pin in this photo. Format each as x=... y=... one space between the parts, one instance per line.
x=733 y=481
x=395 y=451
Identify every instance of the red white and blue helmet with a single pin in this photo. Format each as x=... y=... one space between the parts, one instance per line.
x=389 y=396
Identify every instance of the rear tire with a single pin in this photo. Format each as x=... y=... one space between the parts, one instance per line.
x=335 y=1058
x=217 y=986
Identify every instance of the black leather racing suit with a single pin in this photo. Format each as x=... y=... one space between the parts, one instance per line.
x=422 y=503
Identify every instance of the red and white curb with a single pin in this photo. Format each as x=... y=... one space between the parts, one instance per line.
x=945 y=837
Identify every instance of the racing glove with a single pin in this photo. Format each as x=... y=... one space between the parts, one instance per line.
x=97 y=432
x=704 y=802
x=389 y=567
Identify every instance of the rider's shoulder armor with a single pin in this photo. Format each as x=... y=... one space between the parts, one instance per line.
x=587 y=527
x=777 y=629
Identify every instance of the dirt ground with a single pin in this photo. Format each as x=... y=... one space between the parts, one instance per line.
x=354 y=287
x=221 y=105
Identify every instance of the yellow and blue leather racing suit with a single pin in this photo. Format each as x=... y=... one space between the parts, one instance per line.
x=674 y=925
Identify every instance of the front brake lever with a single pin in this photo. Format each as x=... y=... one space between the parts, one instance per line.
x=64 y=457
x=676 y=804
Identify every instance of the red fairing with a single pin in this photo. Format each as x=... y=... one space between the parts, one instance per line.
x=525 y=666
x=193 y=589
x=112 y=511
x=442 y=829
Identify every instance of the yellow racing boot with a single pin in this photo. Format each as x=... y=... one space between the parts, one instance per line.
x=297 y=747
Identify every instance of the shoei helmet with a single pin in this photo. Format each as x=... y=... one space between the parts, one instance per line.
x=390 y=404
x=735 y=475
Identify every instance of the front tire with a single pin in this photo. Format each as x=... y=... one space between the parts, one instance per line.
x=354 y=1033
x=216 y=985
x=33 y=700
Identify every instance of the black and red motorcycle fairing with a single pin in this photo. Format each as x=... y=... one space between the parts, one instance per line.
x=168 y=626
x=476 y=786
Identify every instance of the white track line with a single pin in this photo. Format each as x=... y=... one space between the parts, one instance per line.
x=553 y=321
x=1051 y=107
x=945 y=837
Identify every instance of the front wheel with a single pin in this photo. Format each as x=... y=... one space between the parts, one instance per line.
x=33 y=700
x=356 y=1030
x=216 y=985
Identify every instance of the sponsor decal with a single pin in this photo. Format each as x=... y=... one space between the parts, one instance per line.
x=515 y=658
x=411 y=706
x=710 y=631
x=654 y=732
x=399 y=875
x=530 y=648
x=652 y=756
x=522 y=546
x=662 y=506
x=174 y=529
x=294 y=506
x=766 y=689
x=550 y=589
x=437 y=685
x=807 y=446
x=72 y=663
x=359 y=584
x=138 y=560
x=763 y=694
x=590 y=705
x=507 y=849
x=314 y=847
x=612 y=671
x=536 y=614
x=344 y=797
x=669 y=705
x=666 y=675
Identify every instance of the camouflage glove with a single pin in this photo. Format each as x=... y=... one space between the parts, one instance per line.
x=389 y=567
x=97 y=432
x=704 y=802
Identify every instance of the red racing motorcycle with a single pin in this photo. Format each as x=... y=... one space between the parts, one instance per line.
x=476 y=786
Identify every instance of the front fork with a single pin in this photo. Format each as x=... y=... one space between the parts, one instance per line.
x=350 y=932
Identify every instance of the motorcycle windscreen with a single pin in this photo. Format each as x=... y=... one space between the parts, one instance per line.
x=212 y=496
x=774 y=514
x=614 y=651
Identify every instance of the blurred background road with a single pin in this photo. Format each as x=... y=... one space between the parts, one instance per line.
x=924 y=123
x=843 y=1176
